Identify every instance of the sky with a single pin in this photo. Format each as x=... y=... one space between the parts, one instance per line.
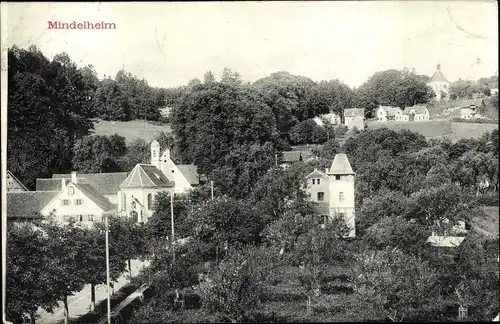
x=169 y=44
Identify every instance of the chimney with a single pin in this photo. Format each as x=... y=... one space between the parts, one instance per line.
x=74 y=179
x=326 y=170
x=63 y=182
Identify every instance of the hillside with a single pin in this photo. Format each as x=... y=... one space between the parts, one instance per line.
x=131 y=130
x=439 y=128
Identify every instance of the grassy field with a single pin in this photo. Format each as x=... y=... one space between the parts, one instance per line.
x=439 y=128
x=131 y=130
x=491 y=222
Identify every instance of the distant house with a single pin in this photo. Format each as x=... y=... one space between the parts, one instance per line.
x=385 y=113
x=439 y=84
x=290 y=157
x=450 y=239
x=137 y=192
x=332 y=118
x=13 y=184
x=106 y=184
x=354 y=117
x=165 y=111
x=79 y=202
x=26 y=205
x=318 y=121
x=469 y=109
x=333 y=191
x=416 y=113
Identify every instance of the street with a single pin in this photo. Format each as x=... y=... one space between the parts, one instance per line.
x=79 y=304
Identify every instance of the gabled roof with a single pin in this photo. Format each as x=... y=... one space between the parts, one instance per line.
x=317 y=173
x=27 y=204
x=340 y=165
x=146 y=176
x=468 y=102
x=438 y=77
x=292 y=156
x=419 y=109
x=103 y=183
x=190 y=172
x=91 y=193
x=17 y=180
x=390 y=111
x=352 y=112
x=48 y=184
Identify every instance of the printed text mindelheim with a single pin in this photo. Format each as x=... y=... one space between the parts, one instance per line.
x=81 y=25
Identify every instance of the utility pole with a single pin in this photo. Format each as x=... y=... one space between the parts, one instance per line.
x=212 y=189
x=107 y=268
x=172 y=222
x=276 y=159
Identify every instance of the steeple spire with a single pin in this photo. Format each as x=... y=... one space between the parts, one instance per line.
x=438 y=66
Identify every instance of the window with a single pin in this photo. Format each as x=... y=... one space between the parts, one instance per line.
x=323 y=219
x=150 y=198
x=317 y=180
x=172 y=171
x=462 y=312
x=341 y=215
x=71 y=191
x=314 y=181
x=337 y=177
x=91 y=218
x=80 y=218
x=79 y=202
x=154 y=154
x=321 y=196
x=341 y=196
x=65 y=202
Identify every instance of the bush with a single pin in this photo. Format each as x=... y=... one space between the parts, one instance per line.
x=487 y=199
x=474 y=121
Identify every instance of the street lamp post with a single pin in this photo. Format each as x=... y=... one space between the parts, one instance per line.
x=107 y=268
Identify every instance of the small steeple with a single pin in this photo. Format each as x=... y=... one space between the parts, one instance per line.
x=438 y=66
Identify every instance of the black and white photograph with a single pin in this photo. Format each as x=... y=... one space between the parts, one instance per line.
x=249 y=162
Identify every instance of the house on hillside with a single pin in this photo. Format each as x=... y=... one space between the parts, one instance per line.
x=78 y=201
x=439 y=84
x=137 y=192
x=25 y=206
x=106 y=184
x=13 y=184
x=290 y=157
x=318 y=121
x=471 y=108
x=416 y=113
x=449 y=238
x=354 y=117
x=333 y=191
x=332 y=118
x=385 y=113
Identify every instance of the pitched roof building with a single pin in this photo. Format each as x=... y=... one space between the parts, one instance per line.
x=14 y=184
x=439 y=84
x=25 y=205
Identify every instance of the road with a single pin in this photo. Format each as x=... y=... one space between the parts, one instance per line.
x=79 y=303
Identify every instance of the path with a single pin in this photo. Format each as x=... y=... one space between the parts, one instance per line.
x=79 y=304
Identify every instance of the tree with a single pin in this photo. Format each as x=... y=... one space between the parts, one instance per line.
x=138 y=151
x=208 y=77
x=307 y=132
x=95 y=154
x=395 y=285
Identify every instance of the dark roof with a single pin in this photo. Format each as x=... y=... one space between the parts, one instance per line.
x=466 y=103
x=317 y=173
x=340 y=165
x=292 y=156
x=190 y=171
x=48 y=184
x=438 y=77
x=103 y=183
x=91 y=193
x=419 y=109
x=146 y=176
x=27 y=204
x=352 y=112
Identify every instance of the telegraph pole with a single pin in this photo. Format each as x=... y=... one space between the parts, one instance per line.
x=172 y=222
x=212 y=189
x=107 y=268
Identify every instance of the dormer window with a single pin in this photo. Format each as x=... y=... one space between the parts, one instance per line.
x=71 y=191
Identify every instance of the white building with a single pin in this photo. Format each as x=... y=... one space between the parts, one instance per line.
x=145 y=181
x=333 y=190
x=416 y=113
x=440 y=85
x=385 y=113
x=354 y=117
x=332 y=118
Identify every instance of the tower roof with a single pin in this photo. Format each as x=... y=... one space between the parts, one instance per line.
x=146 y=176
x=438 y=76
x=340 y=165
x=155 y=144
